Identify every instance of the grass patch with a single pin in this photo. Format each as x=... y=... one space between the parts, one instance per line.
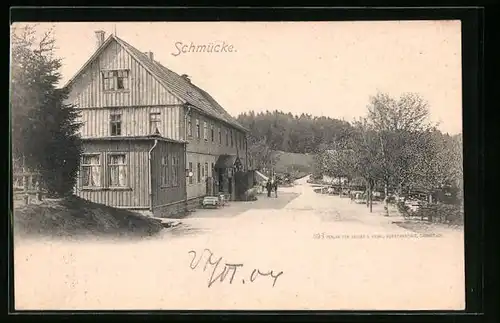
x=426 y=227
x=74 y=216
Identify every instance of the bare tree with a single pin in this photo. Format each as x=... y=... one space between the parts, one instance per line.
x=262 y=154
x=367 y=155
x=401 y=129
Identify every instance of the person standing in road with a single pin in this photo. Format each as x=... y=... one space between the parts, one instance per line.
x=269 y=188
x=275 y=187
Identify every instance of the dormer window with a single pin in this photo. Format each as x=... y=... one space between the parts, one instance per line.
x=115 y=80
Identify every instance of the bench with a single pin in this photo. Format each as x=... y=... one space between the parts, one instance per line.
x=210 y=201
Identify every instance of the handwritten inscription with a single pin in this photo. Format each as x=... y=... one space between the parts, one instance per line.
x=223 y=271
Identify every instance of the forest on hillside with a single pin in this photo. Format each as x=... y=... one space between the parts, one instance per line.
x=281 y=131
x=394 y=145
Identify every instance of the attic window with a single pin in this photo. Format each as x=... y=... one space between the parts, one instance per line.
x=115 y=80
x=154 y=122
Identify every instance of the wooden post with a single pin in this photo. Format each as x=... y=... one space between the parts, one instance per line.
x=38 y=190
x=371 y=197
x=386 y=199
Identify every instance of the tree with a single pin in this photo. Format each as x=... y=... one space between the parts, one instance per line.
x=446 y=166
x=367 y=154
x=299 y=134
x=403 y=132
x=44 y=128
x=262 y=155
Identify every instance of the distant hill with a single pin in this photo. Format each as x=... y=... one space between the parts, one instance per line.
x=301 y=134
x=298 y=165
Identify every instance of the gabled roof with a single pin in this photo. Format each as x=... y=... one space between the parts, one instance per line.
x=182 y=88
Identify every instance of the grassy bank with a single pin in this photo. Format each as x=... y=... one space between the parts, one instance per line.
x=74 y=216
x=297 y=165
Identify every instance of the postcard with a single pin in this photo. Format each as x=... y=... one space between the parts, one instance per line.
x=237 y=165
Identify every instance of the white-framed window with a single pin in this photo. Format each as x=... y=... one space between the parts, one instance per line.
x=232 y=143
x=205 y=130
x=212 y=132
x=117 y=170
x=91 y=170
x=220 y=136
x=198 y=135
x=115 y=123
x=115 y=80
x=154 y=122
x=227 y=137
x=206 y=170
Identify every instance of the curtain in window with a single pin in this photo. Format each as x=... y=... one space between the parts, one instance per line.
x=91 y=171
x=118 y=174
x=124 y=76
x=112 y=83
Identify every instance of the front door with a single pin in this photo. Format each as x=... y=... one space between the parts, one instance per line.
x=221 y=181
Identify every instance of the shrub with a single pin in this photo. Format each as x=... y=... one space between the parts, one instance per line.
x=250 y=195
x=403 y=208
x=442 y=213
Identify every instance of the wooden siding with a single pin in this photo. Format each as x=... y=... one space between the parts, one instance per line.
x=164 y=195
x=214 y=148
x=135 y=121
x=136 y=194
x=144 y=90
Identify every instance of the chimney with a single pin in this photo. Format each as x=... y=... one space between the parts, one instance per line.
x=150 y=55
x=186 y=77
x=100 y=37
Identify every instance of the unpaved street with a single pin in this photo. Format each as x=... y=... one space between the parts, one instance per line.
x=319 y=251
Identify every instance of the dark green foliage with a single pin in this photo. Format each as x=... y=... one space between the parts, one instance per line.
x=299 y=134
x=44 y=129
x=441 y=213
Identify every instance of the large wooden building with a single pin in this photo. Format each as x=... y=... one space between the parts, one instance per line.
x=153 y=140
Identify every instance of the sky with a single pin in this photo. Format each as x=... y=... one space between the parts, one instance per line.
x=321 y=68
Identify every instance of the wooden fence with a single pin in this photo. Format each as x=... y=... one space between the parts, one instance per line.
x=26 y=187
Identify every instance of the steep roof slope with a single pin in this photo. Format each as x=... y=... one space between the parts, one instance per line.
x=182 y=87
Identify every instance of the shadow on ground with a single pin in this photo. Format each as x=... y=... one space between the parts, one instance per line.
x=236 y=208
x=192 y=228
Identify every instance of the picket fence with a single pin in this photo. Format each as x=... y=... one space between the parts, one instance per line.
x=26 y=187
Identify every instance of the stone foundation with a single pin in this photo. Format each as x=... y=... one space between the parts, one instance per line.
x=174 y=210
